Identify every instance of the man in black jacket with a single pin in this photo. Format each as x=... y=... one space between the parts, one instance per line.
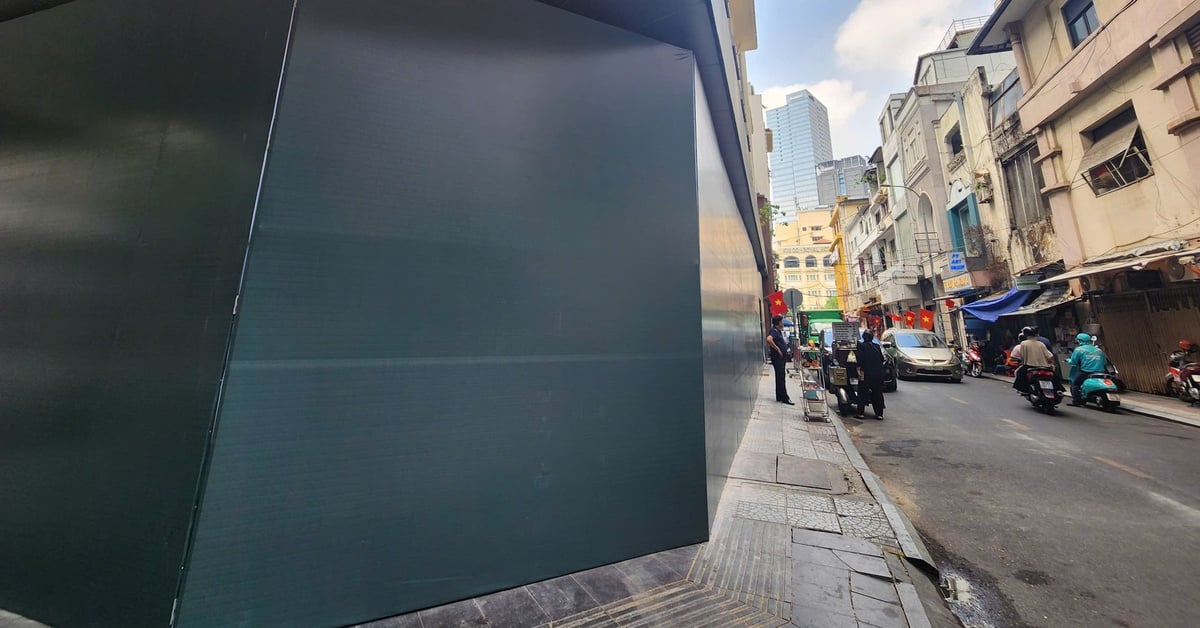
x=870 y=382
x=779 y=355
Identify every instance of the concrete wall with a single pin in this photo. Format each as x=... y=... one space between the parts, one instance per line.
x=1080 y=88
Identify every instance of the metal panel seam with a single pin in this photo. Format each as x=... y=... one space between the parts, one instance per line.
x=201 y=480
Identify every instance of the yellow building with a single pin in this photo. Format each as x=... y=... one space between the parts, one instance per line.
x=805 y=262
x=843 y=211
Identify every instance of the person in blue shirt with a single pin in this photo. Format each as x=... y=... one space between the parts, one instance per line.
x=1085 y=360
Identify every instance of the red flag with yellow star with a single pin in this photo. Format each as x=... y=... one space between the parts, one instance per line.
x=910 y=318
x=927 y=319
x=777 y=304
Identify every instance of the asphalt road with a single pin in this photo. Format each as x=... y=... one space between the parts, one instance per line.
x=1079 y=519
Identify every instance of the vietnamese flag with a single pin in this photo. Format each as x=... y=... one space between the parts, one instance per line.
x=777 y=304
x=909 y=318
x=896 y=318
x=927 y=319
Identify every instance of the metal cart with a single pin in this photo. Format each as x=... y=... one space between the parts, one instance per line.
x=812 y=384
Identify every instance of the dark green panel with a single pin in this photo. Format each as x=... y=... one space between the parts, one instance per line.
x=131 y=141
x=469 y=348
x=729 y=284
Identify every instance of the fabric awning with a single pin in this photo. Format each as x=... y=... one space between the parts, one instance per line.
x=1051 y=297
x=993 y=308
x=1083 y=271
x=1113 y=145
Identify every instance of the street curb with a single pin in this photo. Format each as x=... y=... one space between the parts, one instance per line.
x=906 y=533
x=1135 y=409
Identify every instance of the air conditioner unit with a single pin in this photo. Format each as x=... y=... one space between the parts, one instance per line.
x=1177 y=271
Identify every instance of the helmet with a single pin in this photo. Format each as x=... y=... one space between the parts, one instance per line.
x=1187 y=345
x=1084 y=339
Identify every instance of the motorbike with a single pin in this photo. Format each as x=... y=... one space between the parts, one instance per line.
x=841 y=380
x=972 y=360
x=1101 y=390
x=1111 y=371
x=1040 y=389
x=1183 y=373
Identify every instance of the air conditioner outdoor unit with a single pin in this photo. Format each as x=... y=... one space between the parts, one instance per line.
x=1181 y=269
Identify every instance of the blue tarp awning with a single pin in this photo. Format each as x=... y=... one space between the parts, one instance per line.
x=995 y=307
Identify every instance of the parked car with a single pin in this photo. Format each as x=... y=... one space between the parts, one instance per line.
x=921 y=353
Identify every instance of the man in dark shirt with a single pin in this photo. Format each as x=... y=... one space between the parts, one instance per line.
x=779 y=350
x=870 y=382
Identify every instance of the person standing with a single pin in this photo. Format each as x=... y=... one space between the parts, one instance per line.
x=779 y=351
x=1085 y=360
x=870 y=382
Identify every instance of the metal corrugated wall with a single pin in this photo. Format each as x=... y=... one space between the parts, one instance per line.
x=132 y=134
x=1141 y=328
x=468 y=355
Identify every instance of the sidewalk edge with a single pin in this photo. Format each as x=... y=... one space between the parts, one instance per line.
x=906 y=533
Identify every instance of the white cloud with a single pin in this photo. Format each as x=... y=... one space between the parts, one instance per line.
x=844 y=101
x=890 y=34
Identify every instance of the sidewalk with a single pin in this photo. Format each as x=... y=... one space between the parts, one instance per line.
x=1157 y=406
x=804 y=536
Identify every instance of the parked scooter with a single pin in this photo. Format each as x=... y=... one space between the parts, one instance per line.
x=1101 y=390
x=1183 y=373
x=1040 y=389
x=972 y=360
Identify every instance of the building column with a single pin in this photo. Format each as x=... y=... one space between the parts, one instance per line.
x=1018 y=48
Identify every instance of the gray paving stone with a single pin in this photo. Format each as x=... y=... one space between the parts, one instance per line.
x=457 y=615
x=865 y=564
x=817 y=618
x=409 y=620
x=762 y=512
x=819 y=556
x=873 y=612
x=857 y=507
x=605 y=584
x=680 y=559
x=561 y=597
x=515 y=607
x=834 y=541
x=878 y=588
x=808 y=501
x=752 y=466
x=805 y=472
x=910 y=600
x=866 y=527
x=763 y=495
x=813 y=520
x=820 y=587
x=647 y=572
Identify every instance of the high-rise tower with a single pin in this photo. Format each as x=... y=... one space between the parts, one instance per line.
x=800 y=131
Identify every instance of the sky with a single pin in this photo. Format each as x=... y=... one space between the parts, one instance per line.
x=850 y=54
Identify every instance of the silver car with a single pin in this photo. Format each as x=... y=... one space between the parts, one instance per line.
x=920 y=353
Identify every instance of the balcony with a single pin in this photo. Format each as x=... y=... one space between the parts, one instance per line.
x=956 y=162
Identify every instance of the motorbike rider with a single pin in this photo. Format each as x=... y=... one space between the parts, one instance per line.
x=1032 y=353
x=1085 y=360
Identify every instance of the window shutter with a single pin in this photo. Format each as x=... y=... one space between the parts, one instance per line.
x=1193 y=37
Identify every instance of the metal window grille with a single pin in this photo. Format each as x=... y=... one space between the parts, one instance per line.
x=1125 y=169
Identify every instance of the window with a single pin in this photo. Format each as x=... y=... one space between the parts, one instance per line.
x=965 y=231
x=915 y=340
x=1023 y=182
x=1080 y=18
x=1117 y=157
x=792 y=277
x=810 y=261
x=813 y=277
x=831 y=293
x=828 y=261
x=791 y=262
x=1005 y=97
x=828 y=276
x=954 y=141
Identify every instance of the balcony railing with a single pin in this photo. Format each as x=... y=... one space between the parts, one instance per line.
x=956 y=162
x=959 y=26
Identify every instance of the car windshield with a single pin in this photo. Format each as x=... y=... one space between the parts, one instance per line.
x=924 y=341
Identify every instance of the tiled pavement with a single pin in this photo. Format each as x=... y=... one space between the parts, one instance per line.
x=799 y=540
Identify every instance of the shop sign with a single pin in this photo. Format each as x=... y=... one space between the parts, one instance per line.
x=906 y=277
x=958 y=283
x=1027 y=282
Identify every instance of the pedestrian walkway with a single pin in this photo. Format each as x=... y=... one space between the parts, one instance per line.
x=1157 y=406
x=802 y=537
